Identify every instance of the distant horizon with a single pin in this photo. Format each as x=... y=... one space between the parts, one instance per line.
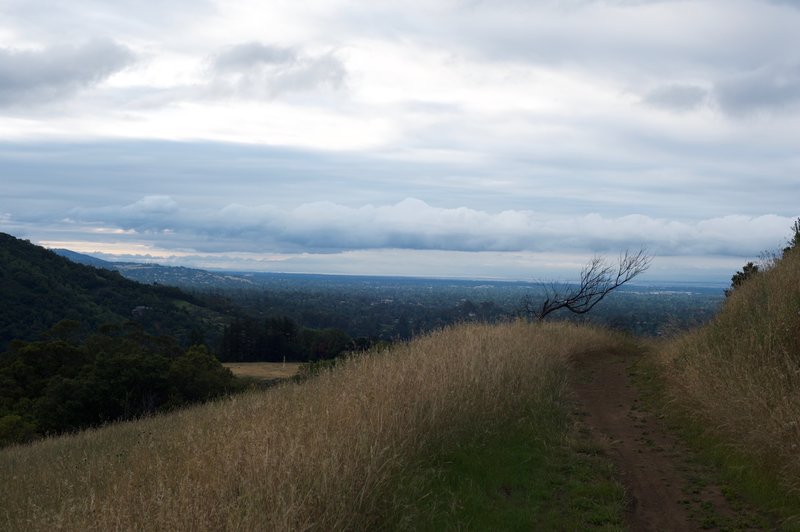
x=636 y=282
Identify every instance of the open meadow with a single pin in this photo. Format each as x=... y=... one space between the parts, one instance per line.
x=327 y=454
x=264 y=371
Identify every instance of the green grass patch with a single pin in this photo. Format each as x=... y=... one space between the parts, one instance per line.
x=754 y=489
x=539 y=473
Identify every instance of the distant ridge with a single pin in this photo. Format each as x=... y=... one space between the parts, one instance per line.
x=86 y=260
x=179 y=276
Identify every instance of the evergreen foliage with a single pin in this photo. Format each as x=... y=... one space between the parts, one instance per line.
x=120 y=372
x=794 y=240
x=747 y=272
x=281 y=339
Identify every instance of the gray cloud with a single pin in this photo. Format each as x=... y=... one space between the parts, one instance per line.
x=677 y=97
x=33 y=76
x=152 y=205
x=258 y=70
x=252 y=55
x=769 y=88
x=325 y=227
x=789 y=3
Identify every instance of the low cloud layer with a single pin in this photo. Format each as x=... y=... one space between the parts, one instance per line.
x=53 y=73
x=325 y=227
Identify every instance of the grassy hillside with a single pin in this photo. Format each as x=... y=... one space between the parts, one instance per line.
x=39 y=289
x=739 y=377
x=343 y=450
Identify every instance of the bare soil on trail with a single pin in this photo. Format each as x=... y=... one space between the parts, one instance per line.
x=666 y=488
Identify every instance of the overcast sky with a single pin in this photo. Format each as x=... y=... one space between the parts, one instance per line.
x=469 y=138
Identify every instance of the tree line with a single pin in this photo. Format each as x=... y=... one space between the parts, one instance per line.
x=279 y=339
x=64 y=383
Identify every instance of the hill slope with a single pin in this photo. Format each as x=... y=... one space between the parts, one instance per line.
x=738 y=378
x=337 y=452
x=39 y=288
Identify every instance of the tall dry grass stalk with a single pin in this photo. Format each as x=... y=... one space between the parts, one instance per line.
x=325 y=454
x=740 y=375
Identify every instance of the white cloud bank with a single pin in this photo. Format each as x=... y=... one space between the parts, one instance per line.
x=412 y=224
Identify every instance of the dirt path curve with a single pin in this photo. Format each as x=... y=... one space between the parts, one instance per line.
x=665 y=490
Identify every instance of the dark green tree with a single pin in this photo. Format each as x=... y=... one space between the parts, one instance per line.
x=794 y=241
x=51 y=386
x=197 y=375
x=747 y=272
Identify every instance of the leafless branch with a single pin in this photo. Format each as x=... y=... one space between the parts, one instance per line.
x=598 y=278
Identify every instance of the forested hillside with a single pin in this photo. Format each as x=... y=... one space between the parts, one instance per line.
x=40 y=288
x=81 y=346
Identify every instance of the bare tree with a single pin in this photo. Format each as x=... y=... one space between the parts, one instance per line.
x=598 y=279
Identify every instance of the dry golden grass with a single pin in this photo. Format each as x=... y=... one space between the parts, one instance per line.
x=322 y=455
x=740 y=375
x=264 y=370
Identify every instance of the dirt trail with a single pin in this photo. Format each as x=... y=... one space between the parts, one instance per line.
x=666 y=489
